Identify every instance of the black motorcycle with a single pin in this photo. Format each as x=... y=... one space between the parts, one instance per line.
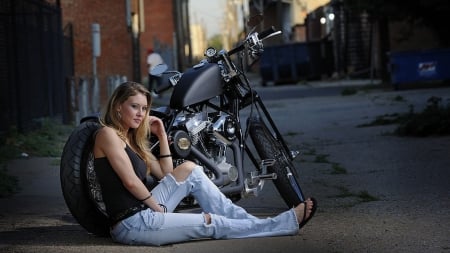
x=205 y=124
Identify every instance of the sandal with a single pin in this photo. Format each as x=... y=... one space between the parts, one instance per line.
x=313 y=210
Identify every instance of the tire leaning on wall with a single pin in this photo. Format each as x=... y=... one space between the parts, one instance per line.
x=76 y=157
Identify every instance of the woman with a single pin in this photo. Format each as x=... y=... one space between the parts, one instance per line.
x=122 y=162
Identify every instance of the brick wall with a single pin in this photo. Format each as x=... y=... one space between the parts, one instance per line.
x=116 y=57
x=159 y=29
x=116 y=41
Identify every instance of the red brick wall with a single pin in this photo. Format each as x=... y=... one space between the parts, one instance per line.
x=159 y=25
x=115 y=58
x=116 y=41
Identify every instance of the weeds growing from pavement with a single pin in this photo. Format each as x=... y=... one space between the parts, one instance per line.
x=46 y=141
x=338 y=169
x=349 y=91
x=399 y=98
x=320 y=158
x=362 y=196
x=433 y=120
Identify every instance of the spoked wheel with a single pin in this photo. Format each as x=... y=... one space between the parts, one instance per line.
x=268 y=147
x=79 y=185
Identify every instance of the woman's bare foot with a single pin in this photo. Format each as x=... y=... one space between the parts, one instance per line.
x=305 y=211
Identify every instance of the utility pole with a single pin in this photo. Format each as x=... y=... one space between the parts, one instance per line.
x=96 y=51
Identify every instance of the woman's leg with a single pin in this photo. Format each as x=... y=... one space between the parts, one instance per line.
x=283 y=224
x=286 y=223
x=223 y=220
x=211 y=199
x=170 y=192
x=153 y=228
x=189 y=178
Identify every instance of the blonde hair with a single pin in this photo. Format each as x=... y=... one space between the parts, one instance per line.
x=138 y=137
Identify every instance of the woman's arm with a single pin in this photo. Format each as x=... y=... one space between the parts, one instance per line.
x=109 y=144
x=162 y=165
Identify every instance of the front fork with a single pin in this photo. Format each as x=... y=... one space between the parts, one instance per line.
x=261 y=175
x=254 y=98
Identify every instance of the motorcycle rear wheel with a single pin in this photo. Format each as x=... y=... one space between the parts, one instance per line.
x=269 y=148
x=74 y=168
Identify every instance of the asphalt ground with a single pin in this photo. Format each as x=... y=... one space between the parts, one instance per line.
x=377 y=192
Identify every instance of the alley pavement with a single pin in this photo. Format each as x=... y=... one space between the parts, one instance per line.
x=377 y=192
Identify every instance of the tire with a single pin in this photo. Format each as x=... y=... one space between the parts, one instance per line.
x=78 y=183
x=269 y=148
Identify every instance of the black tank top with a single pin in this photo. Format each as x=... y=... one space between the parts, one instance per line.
x=115 y=196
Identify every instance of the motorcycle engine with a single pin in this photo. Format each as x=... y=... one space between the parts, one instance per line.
x=212 y=134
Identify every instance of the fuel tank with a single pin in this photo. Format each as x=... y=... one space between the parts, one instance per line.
x=196 y=85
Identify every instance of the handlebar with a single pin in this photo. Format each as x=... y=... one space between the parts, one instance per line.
x=266 y=33
x=251 y=39
x=254 y=46
x=237 y=49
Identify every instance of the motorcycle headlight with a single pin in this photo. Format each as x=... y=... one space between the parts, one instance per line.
x=230 y=128
x=226 y=127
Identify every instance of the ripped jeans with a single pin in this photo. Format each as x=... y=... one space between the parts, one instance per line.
x=227 y=219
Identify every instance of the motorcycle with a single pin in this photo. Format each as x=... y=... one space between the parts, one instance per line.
x=205 y=124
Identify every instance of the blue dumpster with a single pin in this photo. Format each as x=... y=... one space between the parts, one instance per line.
x=289 y=63
x=278 y=63
x=420 y=65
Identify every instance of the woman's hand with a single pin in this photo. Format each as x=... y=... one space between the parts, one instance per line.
x=157 y=126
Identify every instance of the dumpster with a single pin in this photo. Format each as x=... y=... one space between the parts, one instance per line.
x=419 y=65
x=289 y=63
x=278 y=64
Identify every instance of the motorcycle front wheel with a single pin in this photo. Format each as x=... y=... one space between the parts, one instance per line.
x=287 y=181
